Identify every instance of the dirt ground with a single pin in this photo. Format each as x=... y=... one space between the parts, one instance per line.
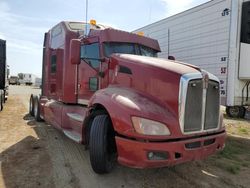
x=37 y=155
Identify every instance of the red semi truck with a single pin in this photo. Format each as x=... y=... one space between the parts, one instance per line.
x=107 y=89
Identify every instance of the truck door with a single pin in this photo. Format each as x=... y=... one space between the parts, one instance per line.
x=52 y=75
x=53 y=113
x=55 y=74
x=88 y=81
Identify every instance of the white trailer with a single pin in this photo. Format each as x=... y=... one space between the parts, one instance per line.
x=38 y=82
x=216 y=37
x=29 y=79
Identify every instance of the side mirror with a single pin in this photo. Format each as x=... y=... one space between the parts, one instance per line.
x=171 y=57
x=8 y=72
x=74 y=55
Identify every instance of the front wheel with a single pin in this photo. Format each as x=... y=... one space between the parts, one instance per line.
x=236 y=111
x=102 y=147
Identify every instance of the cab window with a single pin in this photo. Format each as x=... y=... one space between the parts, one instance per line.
x=91 y=55
x=146 y=51
x=52 y=64
x=128 y=48
x=118 y=47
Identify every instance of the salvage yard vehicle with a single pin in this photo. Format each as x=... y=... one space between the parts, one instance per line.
x=28 y=79
x=214 y=36
x=3 y=74
x=14 y=80
x=107 y=89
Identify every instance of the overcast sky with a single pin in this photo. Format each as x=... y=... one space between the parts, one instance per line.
x=24 y=22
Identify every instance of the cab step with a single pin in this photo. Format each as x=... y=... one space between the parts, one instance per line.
x=72 y=135
x=76 y=117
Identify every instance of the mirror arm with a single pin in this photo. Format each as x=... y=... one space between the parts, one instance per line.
x=101 y=74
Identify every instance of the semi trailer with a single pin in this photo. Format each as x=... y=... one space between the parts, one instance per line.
x=28 y=79
x=106 y=89
x=3 y=74
x=216 y=37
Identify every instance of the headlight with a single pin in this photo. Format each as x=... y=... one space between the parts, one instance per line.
x=149 y=127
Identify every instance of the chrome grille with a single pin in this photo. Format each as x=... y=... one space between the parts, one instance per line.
x=193 y=109
x=199 y=103
x=213 y=106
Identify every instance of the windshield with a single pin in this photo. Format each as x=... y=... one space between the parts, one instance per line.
x=128 y=48
x=90 y=54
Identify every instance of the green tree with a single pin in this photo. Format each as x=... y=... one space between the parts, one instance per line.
x=20 y=76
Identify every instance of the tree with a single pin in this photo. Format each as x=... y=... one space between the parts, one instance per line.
x=20 y=76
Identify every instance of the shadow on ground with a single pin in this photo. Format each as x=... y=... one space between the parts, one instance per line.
x=53 y=160
x=26 y=164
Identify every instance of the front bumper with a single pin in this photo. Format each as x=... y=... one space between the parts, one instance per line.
x=134 y=153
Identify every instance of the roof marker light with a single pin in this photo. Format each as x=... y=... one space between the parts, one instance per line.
x=92 y=22
x=140 y=33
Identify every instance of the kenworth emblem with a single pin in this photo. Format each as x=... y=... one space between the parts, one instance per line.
x=205 y=80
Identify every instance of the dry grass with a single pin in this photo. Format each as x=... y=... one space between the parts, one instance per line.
x=236 y=154
x=237 y=127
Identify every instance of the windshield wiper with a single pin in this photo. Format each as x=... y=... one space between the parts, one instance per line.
x=90 y=58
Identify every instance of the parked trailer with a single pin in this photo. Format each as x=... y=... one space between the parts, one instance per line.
x=214 y=36
x=3 y=74
x=101 y=90
x=28 y=79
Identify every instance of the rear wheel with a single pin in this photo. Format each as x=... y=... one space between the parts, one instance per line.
x=1 y=100
x=102 y=146
x=36 y=108
x=31 y=105
x=236 y=111
x=4 y=98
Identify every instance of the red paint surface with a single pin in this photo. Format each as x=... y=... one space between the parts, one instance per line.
x=134 y=153
x=151 y=92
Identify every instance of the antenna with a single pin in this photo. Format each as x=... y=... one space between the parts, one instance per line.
x=168 y=41
x=86 y=27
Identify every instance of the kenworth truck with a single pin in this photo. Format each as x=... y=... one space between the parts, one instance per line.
x=107 y=89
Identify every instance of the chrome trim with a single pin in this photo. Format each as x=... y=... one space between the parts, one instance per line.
x=204 y=99
x=183 y=95
x=211 y=76
x=214 y=78
x=83 y=101
x=72 y=135
x=76 y=117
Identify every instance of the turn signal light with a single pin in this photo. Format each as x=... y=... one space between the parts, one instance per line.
x=140 y=33
x=92 y=22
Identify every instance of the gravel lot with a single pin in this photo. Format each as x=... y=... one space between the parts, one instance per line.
x=37 y=155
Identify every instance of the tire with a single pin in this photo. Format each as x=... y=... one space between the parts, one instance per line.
x=4 y=94
x=31 y=105
x=88 y=122
x=102 y=148
x=1 y=100
x=36 y=109
x=236 y=111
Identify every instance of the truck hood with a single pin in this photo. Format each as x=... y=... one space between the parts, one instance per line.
x=155 y=78
x=170 y=65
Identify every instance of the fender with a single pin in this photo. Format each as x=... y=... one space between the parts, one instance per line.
x=122 y=103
